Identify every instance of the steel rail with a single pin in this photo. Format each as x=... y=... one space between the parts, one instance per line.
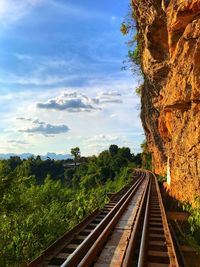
x=86 y=248
x=150 y=226
x=99 y=243
x=39 y=261
x=127 y=262
x=141 y=259
x=169 y=241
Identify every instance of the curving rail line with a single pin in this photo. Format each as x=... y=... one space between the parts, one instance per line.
x=131 y=230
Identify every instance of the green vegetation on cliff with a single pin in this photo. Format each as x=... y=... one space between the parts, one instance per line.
x=129 y=28
x=41 y=200
x=193 y=220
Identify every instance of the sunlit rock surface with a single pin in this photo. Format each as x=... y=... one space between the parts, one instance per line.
x=169 y=32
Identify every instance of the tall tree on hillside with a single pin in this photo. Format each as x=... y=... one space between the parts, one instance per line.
x=76 y=153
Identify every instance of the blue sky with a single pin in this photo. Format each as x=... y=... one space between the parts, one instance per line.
x=61 y=83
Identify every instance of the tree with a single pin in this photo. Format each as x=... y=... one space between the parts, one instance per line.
x=125 y=153
x=76 y=153
x=138 y=160
x=14 y=162
x=113 y=149
x=106 y=173
x=104 y=159
x=90 y=181
x=5 y=168
x=69 y=174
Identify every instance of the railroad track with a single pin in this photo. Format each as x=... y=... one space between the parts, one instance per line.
x=131 y=230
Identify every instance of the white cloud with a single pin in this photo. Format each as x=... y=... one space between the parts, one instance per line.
x=14 y=10
x=79 y=102
x=87 y=129
x=72 y=102
x=45 y=129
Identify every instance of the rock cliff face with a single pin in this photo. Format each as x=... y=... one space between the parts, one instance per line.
x=169 y=34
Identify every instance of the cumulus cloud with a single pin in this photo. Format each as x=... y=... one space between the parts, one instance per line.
x=72 y=102
x=78 y=102
x=46 y=129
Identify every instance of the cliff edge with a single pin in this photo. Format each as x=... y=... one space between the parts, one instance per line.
x=169 y=37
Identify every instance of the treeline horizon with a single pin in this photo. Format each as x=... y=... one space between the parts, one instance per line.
x=56 y=169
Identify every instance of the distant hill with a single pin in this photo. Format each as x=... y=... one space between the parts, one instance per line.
x=43 y=157
x=56 y=156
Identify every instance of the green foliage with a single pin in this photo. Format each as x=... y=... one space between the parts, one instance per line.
x=161 y=179
x=125 y=28
x=146 y=157
x=128 y=28
x=113 y=149
x=139 y=89
x=76 y=153
x=192 y=235
x=134 y=55
x=137 y=159
x=69 y=174
x=90 y=181
x=29 y=220
x=194 y=218
x=125 y=153
x=5 y=168
x=35 y=211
